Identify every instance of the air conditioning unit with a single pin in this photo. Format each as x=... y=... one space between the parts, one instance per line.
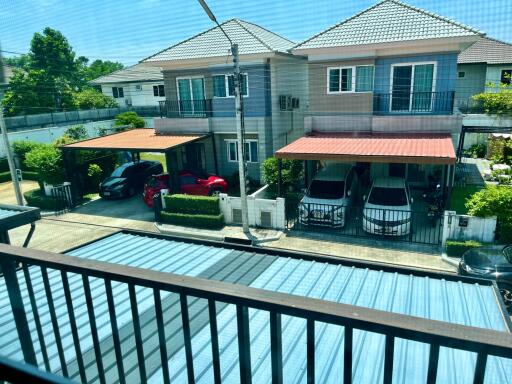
x=138 y=87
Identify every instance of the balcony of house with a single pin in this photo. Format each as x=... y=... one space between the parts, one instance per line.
x=413 y=103
x=137 y=307
x=184 y=116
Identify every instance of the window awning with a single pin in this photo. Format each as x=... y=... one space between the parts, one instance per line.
x=373 y=148
x=143 y=139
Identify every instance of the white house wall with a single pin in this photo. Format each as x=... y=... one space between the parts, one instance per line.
x=133 y=96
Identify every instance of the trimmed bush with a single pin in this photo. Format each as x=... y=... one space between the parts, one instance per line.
x=455 y=248
x=5 y=176
x=189 y=204
x=4 y=164
x=36 y=198
x=196 y=221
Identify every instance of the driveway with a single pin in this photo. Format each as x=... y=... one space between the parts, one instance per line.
x=7 y=195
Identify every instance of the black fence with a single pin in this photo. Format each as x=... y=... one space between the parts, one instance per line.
x=185 y=108
x=413 y=102
x=413 y=226
x=63 y=197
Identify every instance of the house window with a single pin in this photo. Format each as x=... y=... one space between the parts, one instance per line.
x=158 y=91
x=350 y=79
x=224 y=85
x=506 y=74
x=251 y=150
x=412 y=87
x=118 y=92
x=462 y=74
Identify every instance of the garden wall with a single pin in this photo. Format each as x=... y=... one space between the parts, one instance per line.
x=465 y=227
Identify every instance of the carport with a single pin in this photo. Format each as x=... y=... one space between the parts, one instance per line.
x=142 y=140
x=14 y=216
x=380 y=148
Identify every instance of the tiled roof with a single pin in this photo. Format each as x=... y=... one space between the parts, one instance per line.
x=251 y=39
x=387 y=21
x=135 y=139
x=487 y=50
x=134 y=73
x=423 y=148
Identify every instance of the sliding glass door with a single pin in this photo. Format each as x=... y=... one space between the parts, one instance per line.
x=191 y=95
x=412 y=87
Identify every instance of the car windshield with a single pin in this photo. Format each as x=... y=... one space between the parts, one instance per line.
x=324 y=189
x=507 y=252
x=388 y=196
x=118 y=172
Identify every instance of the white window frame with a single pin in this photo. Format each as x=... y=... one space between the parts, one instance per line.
x=190 y=84
x=230 y=141
x=413 y=64
x=353 y=82
x=226 y=85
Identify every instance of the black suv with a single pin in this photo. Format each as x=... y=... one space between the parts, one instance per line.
x=129 y=179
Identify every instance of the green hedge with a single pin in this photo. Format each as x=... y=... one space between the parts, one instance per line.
x=36 y=198
x=27 y=175
x=192 y=205
x=197 y=221
x=5 y=176
x=4 y=164
x=456 y=248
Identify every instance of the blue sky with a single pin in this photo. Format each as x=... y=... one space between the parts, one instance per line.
x=129 y=30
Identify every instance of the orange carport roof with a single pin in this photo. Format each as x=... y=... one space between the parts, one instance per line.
x=375 y=148
x=143 y=139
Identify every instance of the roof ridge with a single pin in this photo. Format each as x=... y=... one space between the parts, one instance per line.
x=495 y=39
x=338 y=24
x=267 y=30
x=253 y=35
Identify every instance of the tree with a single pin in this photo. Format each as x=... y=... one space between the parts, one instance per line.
x=129 y=118
x=21 y=61
x=291 y=171
x=100 y=68
x=494 y=201
x=497 y=103
x=46 y=160
x=92 y=99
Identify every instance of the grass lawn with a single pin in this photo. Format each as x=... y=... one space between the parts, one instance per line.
x=155 y=157
x=459 y=197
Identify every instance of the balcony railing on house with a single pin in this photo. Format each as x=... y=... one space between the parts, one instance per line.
x=406 y=102
x=73 y=271
x=185 y=108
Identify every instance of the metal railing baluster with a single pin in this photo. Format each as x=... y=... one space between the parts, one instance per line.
x=276 y=347
x=137 y=333
x=214 y=335
x=389 y=354
x=310 y=341
x=115 y=331
x=244 y=344
x=347 y=355
x=433 y=362
x=481 y=363
x=161 y=335
x=55 y=323
x=73 y=326
x=94 y=329
x=185 y=318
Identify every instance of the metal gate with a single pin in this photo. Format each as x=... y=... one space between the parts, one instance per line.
x=63 y=197
x=413 y=226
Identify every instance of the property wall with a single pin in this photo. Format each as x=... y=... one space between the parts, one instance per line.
x=446 y=75
x=321 y=102
x=471 y=84
x=493 y=75
x=133 y=96
x=478 y=228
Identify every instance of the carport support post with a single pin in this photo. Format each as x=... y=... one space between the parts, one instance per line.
x=279 y=177
x=69 y=158
x=172 y=162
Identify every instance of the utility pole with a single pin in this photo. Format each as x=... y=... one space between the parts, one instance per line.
x=239 y=121
x=7 y=146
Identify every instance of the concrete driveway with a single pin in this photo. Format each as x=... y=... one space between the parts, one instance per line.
x=7 y=195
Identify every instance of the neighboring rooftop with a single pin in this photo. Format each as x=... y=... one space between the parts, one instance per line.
x=487 y=50
x=133 y=74
x=251 y=39
x=445 y=298
x=387 y=21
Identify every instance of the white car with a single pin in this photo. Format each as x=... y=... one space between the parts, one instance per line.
x=387 y=209
x=328 y=195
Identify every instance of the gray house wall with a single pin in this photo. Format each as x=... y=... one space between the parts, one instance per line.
x=471 y=84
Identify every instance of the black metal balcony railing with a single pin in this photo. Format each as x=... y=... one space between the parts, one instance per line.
x=406 y=102
x=185 y=108
x=394 y=326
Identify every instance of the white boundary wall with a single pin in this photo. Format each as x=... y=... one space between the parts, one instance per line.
x=480 y=229
x=257 y=203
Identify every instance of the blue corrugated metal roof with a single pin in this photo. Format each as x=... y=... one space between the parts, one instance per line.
x=450 y=301
x=7 y=213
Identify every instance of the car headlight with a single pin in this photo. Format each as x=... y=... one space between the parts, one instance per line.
x=477 y=271
x=117 y=187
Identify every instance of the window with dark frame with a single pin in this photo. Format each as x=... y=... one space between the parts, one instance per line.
x=158 y=91
x=117 y=92
x=506 y=74
x=224 y=85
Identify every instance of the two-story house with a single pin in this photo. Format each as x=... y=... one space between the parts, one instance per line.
x=138 y=86
x=199 y=91
x=381 y=88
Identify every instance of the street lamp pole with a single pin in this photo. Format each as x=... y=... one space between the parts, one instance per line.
x=239 y=121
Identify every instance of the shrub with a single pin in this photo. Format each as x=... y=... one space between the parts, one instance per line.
x=189 y=204
x=36 y=198
x=5 y=176
x=94 y=177
x=291 y=172
x=476 y=151
x=457 y=248
x=22 y=147
x=92 y=99
x=494 y=201
x=76 y=132
x=4 y=164
x=129 y=118
x=46 y=160
x=496 y=103
x=197 y=221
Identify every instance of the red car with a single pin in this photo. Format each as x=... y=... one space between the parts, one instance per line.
x=190 y=184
